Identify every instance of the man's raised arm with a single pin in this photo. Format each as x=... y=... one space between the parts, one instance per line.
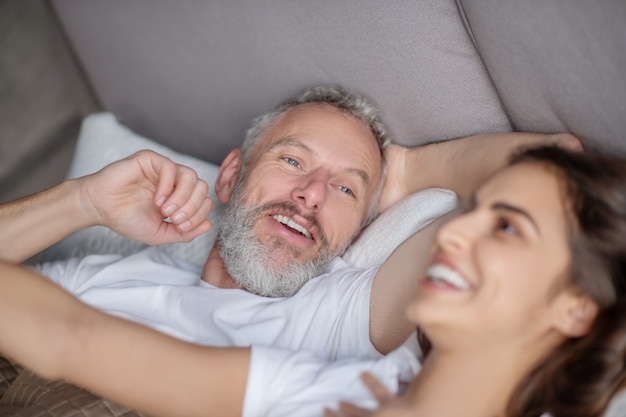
x=132 y=197
x=459 y=165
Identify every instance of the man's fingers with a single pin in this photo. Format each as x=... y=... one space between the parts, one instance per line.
x=170 y=233
x=180 y=196
x=185 y=188
x=202 y=228
x=568 y=141
x=161 y=170
x=184 y=184
x=198 y=216
x=194 y=209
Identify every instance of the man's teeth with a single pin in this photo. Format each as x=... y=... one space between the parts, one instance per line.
x=290 y=223
x=442 y=274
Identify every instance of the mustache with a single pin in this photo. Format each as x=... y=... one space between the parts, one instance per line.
x=291 y=209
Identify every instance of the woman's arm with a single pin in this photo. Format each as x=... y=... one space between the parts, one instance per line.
x=51 y=332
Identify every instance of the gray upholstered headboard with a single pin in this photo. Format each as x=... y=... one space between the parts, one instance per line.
x=558 y=65
x=192 y=74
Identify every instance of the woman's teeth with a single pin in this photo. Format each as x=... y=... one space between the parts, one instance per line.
x=444 y=275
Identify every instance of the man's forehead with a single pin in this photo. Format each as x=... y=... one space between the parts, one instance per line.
x=324 y=119
x=309 y=126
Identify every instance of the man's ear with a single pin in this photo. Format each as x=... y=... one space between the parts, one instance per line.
x=227 y=176
x=576 y=313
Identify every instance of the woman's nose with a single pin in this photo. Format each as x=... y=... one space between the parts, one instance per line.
x=458 y=233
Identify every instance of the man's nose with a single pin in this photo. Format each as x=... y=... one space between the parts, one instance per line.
x=311 y=191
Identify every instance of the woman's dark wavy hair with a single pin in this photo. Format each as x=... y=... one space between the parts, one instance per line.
x=580 y=377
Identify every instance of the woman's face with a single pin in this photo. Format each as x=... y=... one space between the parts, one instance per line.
x=499 y=268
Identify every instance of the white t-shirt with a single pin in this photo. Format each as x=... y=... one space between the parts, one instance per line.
x=309 y=349
x=284 y=383
x=329 y=316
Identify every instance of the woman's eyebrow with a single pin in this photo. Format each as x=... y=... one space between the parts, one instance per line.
x=469 y=203
x=517 y=210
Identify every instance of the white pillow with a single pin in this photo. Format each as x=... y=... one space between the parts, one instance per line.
x=103 y=139
x=397 y=224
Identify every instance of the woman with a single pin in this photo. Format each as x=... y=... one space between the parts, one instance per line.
x=521 y=307
x=525 y=305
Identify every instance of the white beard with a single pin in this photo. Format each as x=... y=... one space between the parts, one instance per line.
x=251 y=263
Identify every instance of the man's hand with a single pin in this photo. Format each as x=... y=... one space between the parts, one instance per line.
x=134 y=196
x=459 y=165
x=395 y=187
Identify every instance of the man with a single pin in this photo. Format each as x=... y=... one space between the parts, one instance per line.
x=308 y=178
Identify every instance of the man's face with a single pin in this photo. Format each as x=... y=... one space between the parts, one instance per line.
x=304 y=195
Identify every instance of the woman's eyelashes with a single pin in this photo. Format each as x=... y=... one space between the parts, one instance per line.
x=506 y=226
x=503 y=223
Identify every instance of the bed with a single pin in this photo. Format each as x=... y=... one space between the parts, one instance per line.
x=187 y=77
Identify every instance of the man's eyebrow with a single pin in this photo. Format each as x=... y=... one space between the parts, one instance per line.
x=517 y=210
x=291 y=141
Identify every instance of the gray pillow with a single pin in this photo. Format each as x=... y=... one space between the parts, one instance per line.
x=191 y=75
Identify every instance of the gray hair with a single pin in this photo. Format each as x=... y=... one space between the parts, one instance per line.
x=348 y=102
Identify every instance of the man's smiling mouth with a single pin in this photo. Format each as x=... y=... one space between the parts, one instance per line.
x=292 y=225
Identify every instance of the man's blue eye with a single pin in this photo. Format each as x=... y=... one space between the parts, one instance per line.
x=292 y=162
x=346 y=190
